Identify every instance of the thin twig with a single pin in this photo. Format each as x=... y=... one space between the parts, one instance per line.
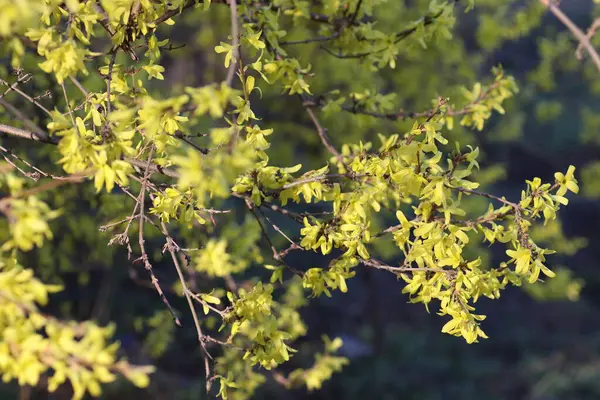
x=11 y=130
x=589 y=35
x=67 y=103
x=26 y=96
x=182 y=137
x=111 y=65
x=235 y=41
x=487 y=195
x=79 y=86
x=404 y=268
x=584 y=40
x=4 y=201
x=33 y=175
x=188 y=295
x=311 y=40
x=141 y=240
x=293 y=245
x=316 y=178
x=20 y=79
x=29 y=124
x=323 y=134
x=356 y=11
x=276 y=254
x=426 y=20
x=176 y=10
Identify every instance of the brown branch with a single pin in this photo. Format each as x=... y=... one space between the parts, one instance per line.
x=5 y=201
x=67 y=103
x=125 y=46
x=316 y=178
x=153 y=168
x=426 y=20
x=235 y=41
x=179 y=10
x=22 y=117
x=11 y=130
x=403 y=115
x=33 y=175
x=189 y=297
x=589 y=35
x=311 y=40
x=144 y=257
x=179 y=135
x=83 y=90
x=20 y=79
x=322 y=133
x=356 y=11
x=488 y=195
x=111 y=65
x=123 y=238
x=293 y=245
x=404 y=268
x=198 y=298
x=584 y=40
x=22 y=133
x=516 y=208
x=25 y=96
x=276 y=254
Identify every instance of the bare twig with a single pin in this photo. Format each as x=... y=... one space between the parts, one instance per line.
x=322 y=133
x=183 y=138
x=141 y=240
x=178 y=10
x=22 y=133
x=235 y=41
x=111 y=65
x=316 y=178
x=488 y=195
x=189 y=297
x=79 y=86
x=403 y=268
x=20 y=79
x=584 y=40
x=33 y=175
x=426 y=20
x=311 y=40
x=5 y=201
x=45 y=138
x=276 y=254
x=25 y=96
x=29 y=124
x=11 y=130
x=67 y=103
x=356 y=11
x=589 y=35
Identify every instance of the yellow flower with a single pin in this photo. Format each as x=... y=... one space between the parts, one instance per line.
x=566 y=182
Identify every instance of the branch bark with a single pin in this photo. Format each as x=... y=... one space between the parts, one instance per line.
x=45 y=138
x=584 y=40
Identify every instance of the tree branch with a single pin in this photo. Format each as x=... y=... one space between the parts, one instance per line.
x=584 y=40
x=235 y=41
x=22 y=133
x=141 y=240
